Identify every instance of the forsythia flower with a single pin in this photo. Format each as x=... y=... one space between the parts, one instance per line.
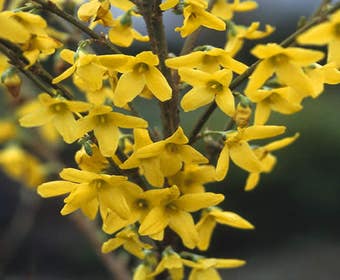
x=12 y=30
x=104 y=124
x=282 y=100
x=173 y=212
x=58 y=111
x=225 y=10
x=165 y=157
x=195 y=15
x=22 y=166
x=138 y=72
x=325 y=33
x=129 y=239
x=204 y=268
x=237 y=34
x=95 y=163
x=209 y=60
x=192 y=178
x=96 y=10
x=88 y=191
x=267 y=159
x=237 y=148
x=286 y=63
x=89 y=70
x=211 y=217
x=208 y=87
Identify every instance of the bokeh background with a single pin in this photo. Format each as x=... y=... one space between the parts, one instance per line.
x=295 y=208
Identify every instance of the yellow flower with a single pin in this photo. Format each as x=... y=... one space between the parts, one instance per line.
x=140 y=203
x=322 y=74
x=193 y=178
x=138 y=72
x=208 y=87
x=287 y=63
x=173 y=211
x=195 y=15
x=97 y=11
x=88 y=191
x=129 y=239
x=88 y=70
x=206 y=268
x=238 y=33
x=104 y=124
x=123 y=34
x=59 y=112
x=268 y=161
x=211 y=217
x=172 y=262
x=225 y=10
x=281 y=100
x=325 y=33
x=95 y=163
x=124 y=5
x=168 y=4
x=209 y=60
x=12 y=30
x=164 y=158
x=237 y=148
x=22 y=166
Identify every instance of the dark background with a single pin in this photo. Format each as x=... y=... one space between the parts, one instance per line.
x=295 y=208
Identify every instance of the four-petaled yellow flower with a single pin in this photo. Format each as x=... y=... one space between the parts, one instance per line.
x=208 y=87
x=209 y=60
x=88 y=191
x=129 y=239
x=98 y=11
x=104 y=124
x=287 y=63
x=325 y=33
x=173 y=211
x=59 y=112
x=237 y=148
x=138 y=72
x=195 y=15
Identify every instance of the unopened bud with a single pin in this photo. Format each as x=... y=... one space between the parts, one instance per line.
x=242 y=115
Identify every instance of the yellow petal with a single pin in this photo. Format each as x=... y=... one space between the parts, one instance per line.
x=126 y=121
x=182 y=223
x=225 y=101
x=262 y=131
x=333 y=52
x=222 y=164
x=157 y=84
x=252 y=181
x=196 y=201
x=90 y=209
x=36 y=118
x=262 y=113
x=112 y=244
x=196 y=98
x=231 y=219
x=262 y=73
x=168 y=4
x=108 y=137
x=155 y=222
x=279 y=144
x=205 y=228
x=320 y=34
x=55 y=188
x=243 y=156
x=66 y=125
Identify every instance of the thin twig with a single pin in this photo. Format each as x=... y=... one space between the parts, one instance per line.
x=53 y=8
x=240 y=79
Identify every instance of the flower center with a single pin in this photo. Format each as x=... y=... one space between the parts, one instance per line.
x=337 y=29
x=101 y=119
x=142 y=203
x=97 y=184
x=279 y=59
x=59 y=107
x=172 y=148
x=215 y=86
x=141 y=67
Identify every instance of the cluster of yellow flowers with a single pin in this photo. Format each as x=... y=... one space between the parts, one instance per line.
x=146 y=186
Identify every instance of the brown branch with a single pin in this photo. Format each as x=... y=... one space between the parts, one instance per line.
x=154 y=22
x=240 y=79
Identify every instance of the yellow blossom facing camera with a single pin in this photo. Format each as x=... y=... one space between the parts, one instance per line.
x=174 y=210
x=58 y=111
x=208 y=87
x=88 y=191
x=138 y=72
x=105 y=125
x=287 y=63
